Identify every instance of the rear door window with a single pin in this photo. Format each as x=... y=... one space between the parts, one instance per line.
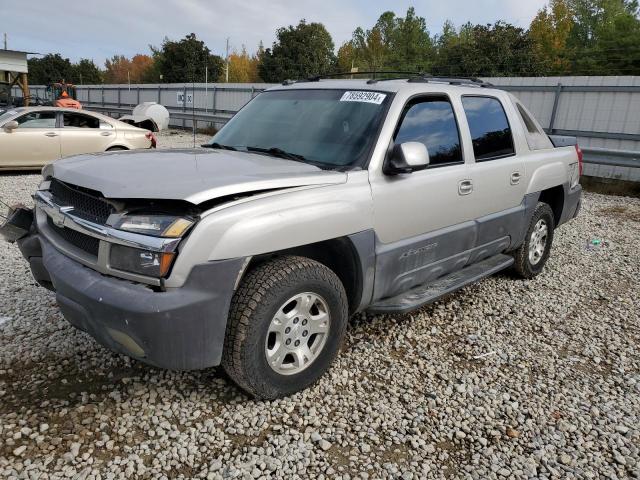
x=489 y=127
x=432 y=122
x=78 y=120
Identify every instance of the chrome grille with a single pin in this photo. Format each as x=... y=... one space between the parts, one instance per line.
x=86 y=204
x=79 y=240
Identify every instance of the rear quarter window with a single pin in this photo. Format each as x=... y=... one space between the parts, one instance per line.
x=536 y=138
x=489 y=127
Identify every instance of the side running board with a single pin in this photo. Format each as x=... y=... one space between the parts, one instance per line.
x=430 y=292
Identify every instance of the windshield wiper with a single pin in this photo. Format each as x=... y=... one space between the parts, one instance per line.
x=273 y=151
x=278 y=152
x=218 y=146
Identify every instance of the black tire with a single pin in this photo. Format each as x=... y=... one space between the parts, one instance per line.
x=116 y=149
x=523 y=265
x=260 y=295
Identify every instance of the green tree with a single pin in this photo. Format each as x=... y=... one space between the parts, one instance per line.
x=617 y=47
x=393 y=43
x=549 y=33
x=447 y=46
x=86 y=72
x=605 y=37
x=500 y=49
x=186 y=60
x=346 y=57
x=370 y=49
x=298 y=52
x=50 y=68
x=410 y=43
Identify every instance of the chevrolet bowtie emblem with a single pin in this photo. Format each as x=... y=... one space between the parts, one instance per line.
x=58 y=216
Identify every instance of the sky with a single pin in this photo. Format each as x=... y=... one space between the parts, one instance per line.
x=100 y=29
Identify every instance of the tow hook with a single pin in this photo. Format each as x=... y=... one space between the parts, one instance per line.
x=15 y=221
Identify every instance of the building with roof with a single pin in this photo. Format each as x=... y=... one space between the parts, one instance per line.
x=13 y=71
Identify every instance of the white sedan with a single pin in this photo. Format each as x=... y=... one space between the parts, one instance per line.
x=31 y=137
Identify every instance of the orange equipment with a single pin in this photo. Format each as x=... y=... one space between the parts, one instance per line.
x=63 y=95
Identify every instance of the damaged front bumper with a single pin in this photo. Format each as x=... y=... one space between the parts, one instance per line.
x=179 y=328
x=15 y=222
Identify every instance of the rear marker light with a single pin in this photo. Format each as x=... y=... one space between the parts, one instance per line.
x=580 y=160
x=152 y=137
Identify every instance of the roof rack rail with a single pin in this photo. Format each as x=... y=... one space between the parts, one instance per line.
x=469 y=81
x=413 y=77
x=317 y=78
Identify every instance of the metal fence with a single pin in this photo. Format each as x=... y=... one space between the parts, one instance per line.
x=207 y=104
x=603 y=112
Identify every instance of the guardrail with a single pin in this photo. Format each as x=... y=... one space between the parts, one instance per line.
x=197 y=115
x=612 y=164
x=613 y=158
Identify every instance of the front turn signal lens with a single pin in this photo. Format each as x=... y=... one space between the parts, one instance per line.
x=166 y=259
x=177 y=228
x=142 y=262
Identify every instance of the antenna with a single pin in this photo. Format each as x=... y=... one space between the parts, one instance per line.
x=227 y=63
x=5 y=41
x=193 y=100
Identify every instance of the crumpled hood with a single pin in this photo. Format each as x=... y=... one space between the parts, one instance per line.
x=194 y=175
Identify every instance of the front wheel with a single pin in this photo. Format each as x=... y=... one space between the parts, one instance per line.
x=286 y=323
x=532 y=255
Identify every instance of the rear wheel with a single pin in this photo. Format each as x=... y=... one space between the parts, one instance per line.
x=532 y=255
x=286 y=323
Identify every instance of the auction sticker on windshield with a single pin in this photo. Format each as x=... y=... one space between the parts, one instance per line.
x=367 y=97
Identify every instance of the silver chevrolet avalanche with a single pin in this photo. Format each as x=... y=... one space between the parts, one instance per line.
x=319 y=199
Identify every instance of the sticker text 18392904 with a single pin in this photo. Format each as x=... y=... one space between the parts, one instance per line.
x=367 y=97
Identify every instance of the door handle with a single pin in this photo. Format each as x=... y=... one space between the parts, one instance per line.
x=51 y=134
x=105 y=134
x=515 y=178
x=465 y=187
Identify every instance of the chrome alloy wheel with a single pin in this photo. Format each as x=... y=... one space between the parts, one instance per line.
x=538 y=241
x=297 y=333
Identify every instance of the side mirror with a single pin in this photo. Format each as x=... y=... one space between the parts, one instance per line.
x=10 y=126
x=406 y=158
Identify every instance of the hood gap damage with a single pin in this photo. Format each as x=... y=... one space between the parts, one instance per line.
x=132 y=205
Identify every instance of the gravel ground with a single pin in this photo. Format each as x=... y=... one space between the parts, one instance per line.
x=505 y=379
x=180 y=139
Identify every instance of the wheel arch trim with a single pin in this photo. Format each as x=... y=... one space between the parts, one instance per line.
x=357 y=277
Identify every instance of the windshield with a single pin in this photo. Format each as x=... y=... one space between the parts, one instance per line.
x=329 y=128
x=6 y=114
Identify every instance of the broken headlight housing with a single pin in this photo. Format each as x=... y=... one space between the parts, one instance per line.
x=149 y=263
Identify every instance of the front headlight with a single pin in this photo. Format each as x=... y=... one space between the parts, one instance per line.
x=143 y=262
x=169 y=226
